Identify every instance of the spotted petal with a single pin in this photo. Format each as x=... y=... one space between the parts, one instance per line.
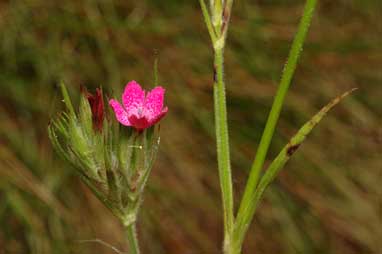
x=154 y=103
x=133 y=97
x=120 y=113
x=159 y=117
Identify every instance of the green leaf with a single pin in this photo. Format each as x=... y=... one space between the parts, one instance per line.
x=207 y=20
x=278 y=102
x=242 y=222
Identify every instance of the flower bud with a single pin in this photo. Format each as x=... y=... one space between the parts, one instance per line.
x=96 y=106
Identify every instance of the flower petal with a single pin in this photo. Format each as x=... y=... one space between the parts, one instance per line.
x=154 y=103
x=120 y=113
x=133 y=97
x=159 y=117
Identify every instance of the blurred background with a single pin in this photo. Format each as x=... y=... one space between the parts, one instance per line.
x=327 y=200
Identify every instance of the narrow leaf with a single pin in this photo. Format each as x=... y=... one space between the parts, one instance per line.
x=279 y=162
x=265 y=141
x=207 y=20
x=243 y=222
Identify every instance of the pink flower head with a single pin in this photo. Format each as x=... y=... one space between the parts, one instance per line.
x=139 y=110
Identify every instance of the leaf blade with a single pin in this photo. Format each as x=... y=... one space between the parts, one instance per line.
x=242 y=223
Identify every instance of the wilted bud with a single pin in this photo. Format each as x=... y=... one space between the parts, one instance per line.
x=114 y=163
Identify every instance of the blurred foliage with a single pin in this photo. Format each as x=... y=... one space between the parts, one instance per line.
x=327 y=200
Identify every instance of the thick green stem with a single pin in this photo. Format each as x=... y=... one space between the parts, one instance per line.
x=132 y=239
x=223 y=153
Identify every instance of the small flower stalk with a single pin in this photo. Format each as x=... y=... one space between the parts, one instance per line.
x=114 y=160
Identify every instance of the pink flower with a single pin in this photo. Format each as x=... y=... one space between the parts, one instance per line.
x=138 y=110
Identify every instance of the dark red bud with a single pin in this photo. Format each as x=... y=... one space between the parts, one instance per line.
x=97 y=107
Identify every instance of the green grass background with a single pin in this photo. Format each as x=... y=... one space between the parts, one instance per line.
x=328 y=198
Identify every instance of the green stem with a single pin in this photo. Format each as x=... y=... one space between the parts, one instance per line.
x=223 y=153
x=131 y=234
x=220 y=108
x=247 y=207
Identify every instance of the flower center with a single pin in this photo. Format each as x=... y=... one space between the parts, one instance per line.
x=140 y=111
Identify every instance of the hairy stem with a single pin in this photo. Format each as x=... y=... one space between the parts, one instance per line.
x=217 y=28
x=132 y=239
x=224 y=163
